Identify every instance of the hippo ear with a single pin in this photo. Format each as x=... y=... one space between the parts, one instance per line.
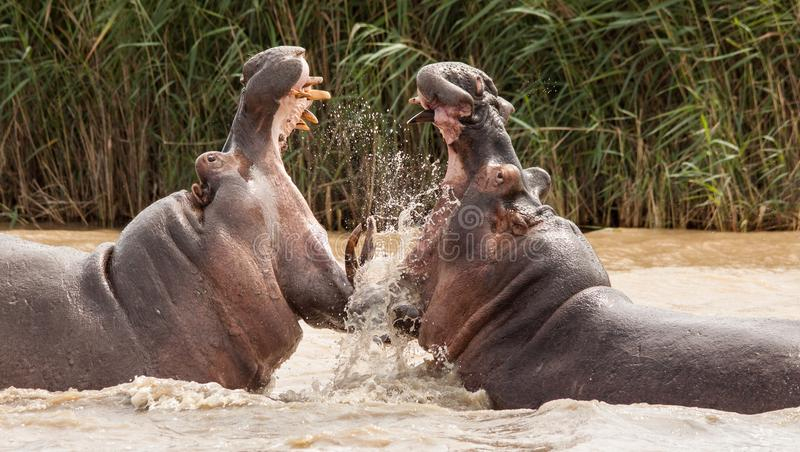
x=201 y=195
x=435 y=87
x=505 y=108
x=538 y=181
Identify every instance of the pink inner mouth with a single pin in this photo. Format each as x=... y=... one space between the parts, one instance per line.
x=295 y=106
x=446 y=117
x=447 y=120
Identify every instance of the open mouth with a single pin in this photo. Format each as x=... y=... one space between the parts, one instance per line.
x=310 y=95
x=279 y=75
x=297 y=102
x=446 y=118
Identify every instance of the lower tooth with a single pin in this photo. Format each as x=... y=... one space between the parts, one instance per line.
x=310 y=117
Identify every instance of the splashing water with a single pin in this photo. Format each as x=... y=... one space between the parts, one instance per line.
x=371 y=168
x=400 y=371
x=143 y=394
x=398 y=188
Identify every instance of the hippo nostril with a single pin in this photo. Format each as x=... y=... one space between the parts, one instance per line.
x=211 y=158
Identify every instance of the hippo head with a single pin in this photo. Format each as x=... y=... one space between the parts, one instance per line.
x=274 y=102
x=498 y=200
x=463 y=103
x=291 y=245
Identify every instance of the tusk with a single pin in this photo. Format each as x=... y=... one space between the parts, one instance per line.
x=302 y=125
x=368 y=250
x=299 y=94
x=313 y=81
x=318 y=94
x=414 y=100
x=350 y=260
x=312 y=94
x=423 y=116
x=308 y=116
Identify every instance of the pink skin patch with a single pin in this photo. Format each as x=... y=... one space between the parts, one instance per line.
x=456 y=175
x=289 y=112
x=293 y=107
x=446 y=119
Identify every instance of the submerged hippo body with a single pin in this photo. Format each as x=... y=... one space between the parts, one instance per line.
x=516 y=298
x=202 y=285
x=148 y=305
x=538 y=321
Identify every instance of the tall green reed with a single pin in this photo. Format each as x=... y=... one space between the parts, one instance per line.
x=647 y=114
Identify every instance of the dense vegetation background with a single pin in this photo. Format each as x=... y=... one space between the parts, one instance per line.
x=656 y=114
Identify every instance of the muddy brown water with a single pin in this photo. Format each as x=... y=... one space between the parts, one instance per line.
x=341 y=392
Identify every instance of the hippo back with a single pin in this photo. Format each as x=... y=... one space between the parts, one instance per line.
x=59 y=322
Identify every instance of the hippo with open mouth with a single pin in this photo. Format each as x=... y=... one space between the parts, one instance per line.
x=516 y=298
x=205 y=285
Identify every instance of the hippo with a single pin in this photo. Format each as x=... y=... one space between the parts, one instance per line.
x=515 y=298
x=205 y=285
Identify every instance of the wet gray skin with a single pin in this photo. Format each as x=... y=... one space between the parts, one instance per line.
x=516 y=298
x=204 y=285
